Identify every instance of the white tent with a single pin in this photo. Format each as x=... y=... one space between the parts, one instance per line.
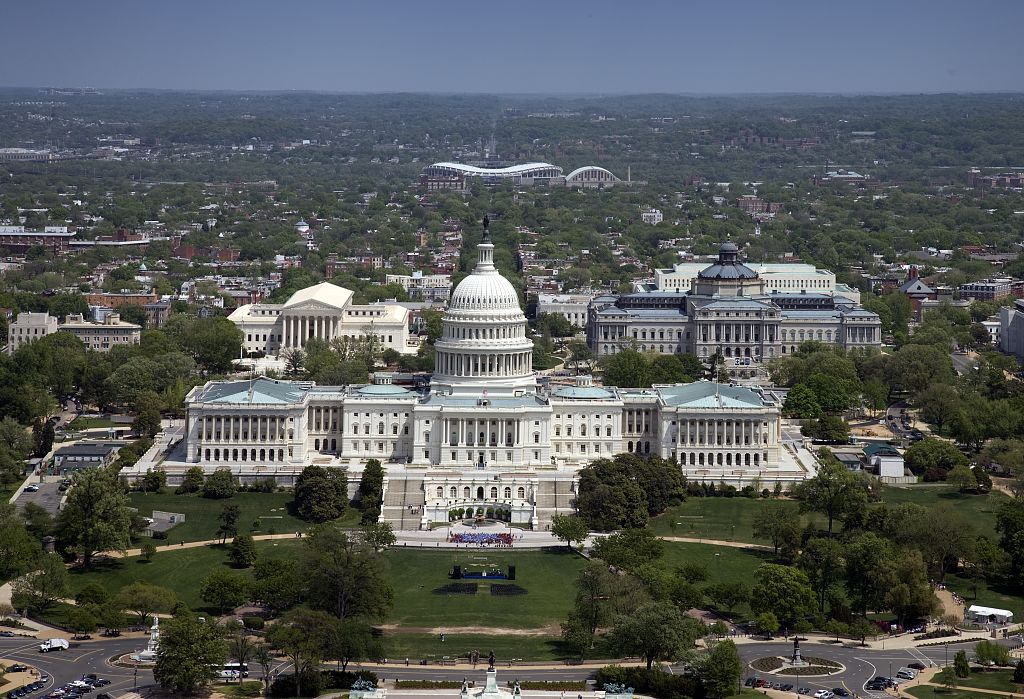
x=985 y=615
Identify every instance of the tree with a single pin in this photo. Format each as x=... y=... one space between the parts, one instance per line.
x=352 y=640
x=378 y=536
x=938 y=404
x=629 y=549
x=190 y=653
x=220 y=484
x=228 y=519
x=81 y=620
x=144 y=599
x=947 y=677
x=654 y=632
x=192 y=481
x=728 y=595
x=628 y=369
x=775 y=523
x=1018 y=672
x=767 y=623
x=822 y=561
x=93 y=593
x=303 y=635
x=39 y=589
x=344 y=576
x=223 y=590
x=321 y=494
x=243 y=551
x=828 y=428
x=962 y=476
x=783 y=591
x=19 y=550
x=961 y=666
x=834 y=491
x=240 y=648
x=989 y=653
x=579 y=353
x=569 y=529
x=1010 y=525
x=862 y=628
x=96 y=515
x=933 y=453
x=371 y=490
x=154 y=481
x=609 y=498
x=262 y=655
x=147 y=414
x=148 y=551
x=835 y=627
x=38 y=520
x=721 y=670
x=277 y=584
x=801 y=402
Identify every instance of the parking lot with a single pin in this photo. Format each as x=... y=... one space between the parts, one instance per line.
x=48 y=497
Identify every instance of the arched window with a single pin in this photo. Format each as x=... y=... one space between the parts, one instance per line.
x=583 y=430
x=494 y=493
x=453 y=492
x=380 y=428
x=440 y=491
x=508 y=493
x=465 y=492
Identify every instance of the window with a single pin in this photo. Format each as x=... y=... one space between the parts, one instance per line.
x=440 y=492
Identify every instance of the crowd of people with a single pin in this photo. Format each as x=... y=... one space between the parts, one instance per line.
x=500 y=539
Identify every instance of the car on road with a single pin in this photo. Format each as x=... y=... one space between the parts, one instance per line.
x=6 y=634
x=840 y=692
x=916 y=666
x=749 y=682
x=18 y=668
x=787 y=688
x=823 y=694
x=32 y=488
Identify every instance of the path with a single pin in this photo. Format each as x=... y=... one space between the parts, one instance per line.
x=949 y=604
x=717 y=542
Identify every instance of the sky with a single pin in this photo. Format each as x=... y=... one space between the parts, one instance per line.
x=517 y=46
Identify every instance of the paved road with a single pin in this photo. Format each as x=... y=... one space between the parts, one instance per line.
x=861 y=664
x=962 y=363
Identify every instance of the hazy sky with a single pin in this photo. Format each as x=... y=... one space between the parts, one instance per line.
x=562 y=46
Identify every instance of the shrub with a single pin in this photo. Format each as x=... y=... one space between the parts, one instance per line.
x=284 y=686
x=654 y=682
x=934 y=475
x=253 y=623
x=337 y=679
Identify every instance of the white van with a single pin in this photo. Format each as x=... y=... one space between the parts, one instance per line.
x=54 y=644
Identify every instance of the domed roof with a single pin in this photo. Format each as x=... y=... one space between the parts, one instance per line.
x=485 y=289
x=728 y=265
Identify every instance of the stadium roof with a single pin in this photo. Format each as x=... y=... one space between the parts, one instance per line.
x=509 y=171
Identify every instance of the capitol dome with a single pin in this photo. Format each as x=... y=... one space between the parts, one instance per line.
x=483 y=345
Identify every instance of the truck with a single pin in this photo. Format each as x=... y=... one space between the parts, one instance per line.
x=54 y=644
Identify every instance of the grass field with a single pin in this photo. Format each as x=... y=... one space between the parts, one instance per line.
x=988 y=595
x=926 y=691
x=998 y=680
x=181 y=571
x=271 y=510
x=548 y=578
x=732 y=519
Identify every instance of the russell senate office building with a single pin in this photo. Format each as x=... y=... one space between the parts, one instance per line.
x=484 y=433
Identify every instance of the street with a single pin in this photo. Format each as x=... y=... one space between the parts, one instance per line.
x=860 y=664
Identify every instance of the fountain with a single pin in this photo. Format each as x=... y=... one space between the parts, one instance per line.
x=149 y=655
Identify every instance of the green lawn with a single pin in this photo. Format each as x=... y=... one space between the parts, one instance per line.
x=271 y=510
x=926 y=691
x=548 y=578
x=732 y=519
x=724 y=519
x=999 y=680
x=979 y=510
x=723 y=563
x=181 y=571
x=987 y=595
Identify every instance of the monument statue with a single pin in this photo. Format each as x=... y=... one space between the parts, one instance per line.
x=517 y=691
x=490 y=660
x=465 y=685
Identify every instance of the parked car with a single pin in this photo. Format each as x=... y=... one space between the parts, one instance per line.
x=840 y=692
x=18 y=668
x=32 y=488
x=916 y=666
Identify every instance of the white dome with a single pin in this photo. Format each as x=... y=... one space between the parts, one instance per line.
x=485 y=291
x=483 y=345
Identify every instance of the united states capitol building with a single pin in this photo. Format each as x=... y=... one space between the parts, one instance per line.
x=486 y=433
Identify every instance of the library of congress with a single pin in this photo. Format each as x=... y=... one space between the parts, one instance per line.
x=484 y=433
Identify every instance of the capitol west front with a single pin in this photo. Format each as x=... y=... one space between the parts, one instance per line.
x=484 y=434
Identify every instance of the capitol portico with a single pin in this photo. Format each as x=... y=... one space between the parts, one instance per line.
x=485 y=433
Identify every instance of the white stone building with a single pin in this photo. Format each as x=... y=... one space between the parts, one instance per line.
x=324 y=311
x=29 y=327
x=423 y=287
x=572 y=307
x=485 y=434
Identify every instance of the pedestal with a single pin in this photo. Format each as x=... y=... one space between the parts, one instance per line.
x=491 y=686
